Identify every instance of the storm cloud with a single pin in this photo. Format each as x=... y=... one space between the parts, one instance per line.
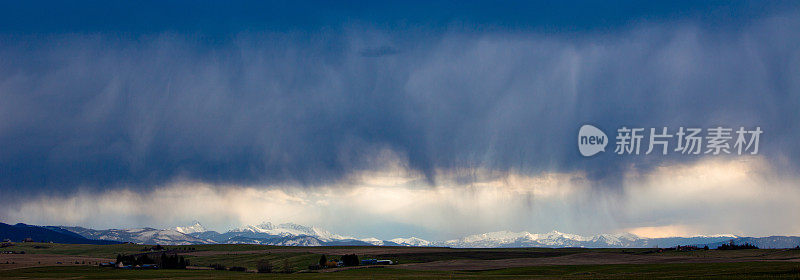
x=310 y=106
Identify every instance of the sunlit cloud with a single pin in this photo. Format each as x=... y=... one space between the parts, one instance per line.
x=662 y=231
x=727 y=195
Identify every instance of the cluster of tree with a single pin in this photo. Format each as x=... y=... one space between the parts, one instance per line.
x=173 y=261
x=350 y=260
x=135 y=259
x=157 y=247
x=346 y=260
x=264 y=266
x=171 y=249
x=237 y=268
x=734 y=246
x=323 y=260
x=164 y=261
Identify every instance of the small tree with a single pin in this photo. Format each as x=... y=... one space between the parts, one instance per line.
x=264 y=266
x=287 y=267
x=323 y=260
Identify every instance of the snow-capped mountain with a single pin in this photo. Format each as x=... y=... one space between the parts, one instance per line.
x=373 y=241
x=288 y=240
x=411 y=241
x=289 y=229
x=559 y=239
x=286 y=234
x=518 y=239
x=194 y=228
x=290 y=234
x=139 y=235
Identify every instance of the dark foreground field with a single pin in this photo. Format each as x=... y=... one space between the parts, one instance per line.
x=80 y=262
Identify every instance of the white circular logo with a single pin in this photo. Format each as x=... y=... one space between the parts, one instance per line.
x=591 y=140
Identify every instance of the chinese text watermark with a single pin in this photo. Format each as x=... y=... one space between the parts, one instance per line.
x=663 y=140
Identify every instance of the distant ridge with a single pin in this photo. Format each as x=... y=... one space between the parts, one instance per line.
x=21 y=232
x=290 y=234
x=139 y=235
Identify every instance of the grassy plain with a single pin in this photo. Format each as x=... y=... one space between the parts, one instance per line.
x=79 y=262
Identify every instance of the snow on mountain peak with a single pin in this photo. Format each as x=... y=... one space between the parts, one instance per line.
x=290 y=234
x=411 y=241
x=373 y=241
x=501 y=236
x=265 y=226
x=290 y=229
x=553 y=238
x=194 y=228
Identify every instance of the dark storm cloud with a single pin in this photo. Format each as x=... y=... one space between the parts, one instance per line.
x=309 y=106
x=378 y=52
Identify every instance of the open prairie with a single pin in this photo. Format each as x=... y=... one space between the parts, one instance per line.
x=81 y=261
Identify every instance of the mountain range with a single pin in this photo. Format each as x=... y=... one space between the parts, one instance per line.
x=21 y=232
x=139 y=235
x=290 y=234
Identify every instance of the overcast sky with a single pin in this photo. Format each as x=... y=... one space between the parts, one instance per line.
x=435 y=119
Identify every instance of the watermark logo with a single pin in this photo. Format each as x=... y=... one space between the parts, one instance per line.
x=591 y=140
x=686 y=140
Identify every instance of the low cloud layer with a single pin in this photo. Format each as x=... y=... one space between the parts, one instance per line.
x=721 y=196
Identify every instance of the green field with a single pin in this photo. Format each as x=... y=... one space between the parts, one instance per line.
x=754 y=270
x=415 y=263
